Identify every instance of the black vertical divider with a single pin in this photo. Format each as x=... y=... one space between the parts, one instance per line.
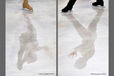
x=56 y=37
x=2 y=37
x=111 y=37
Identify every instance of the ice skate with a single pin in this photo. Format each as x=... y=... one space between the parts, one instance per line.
x=26 y=5
x=66 y=9
x=69 y=6
x=99 y=2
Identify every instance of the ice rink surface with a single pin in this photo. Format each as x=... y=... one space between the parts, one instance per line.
x=33 y=35
x=85 y=31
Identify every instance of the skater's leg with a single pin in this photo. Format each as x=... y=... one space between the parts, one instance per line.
x=26 y=5
x=98 y=2
x=20 y=57
x=69 y=6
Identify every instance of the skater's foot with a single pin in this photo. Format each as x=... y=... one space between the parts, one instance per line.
x=19 y=65
x=26 y=5
x=101 y=3
x=66 y=9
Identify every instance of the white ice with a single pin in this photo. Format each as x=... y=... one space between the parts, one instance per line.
x=85 y=31
x=36 y=33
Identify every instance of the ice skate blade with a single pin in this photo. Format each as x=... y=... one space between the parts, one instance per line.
x=68 y=12
x=99 y=7
x=27 y=10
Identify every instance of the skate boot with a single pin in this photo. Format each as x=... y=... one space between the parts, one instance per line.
x=66 y=9
x=26 y=5
x=99 y=2
x=69 y=6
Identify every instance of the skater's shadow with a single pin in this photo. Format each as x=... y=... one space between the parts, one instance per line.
x=28 y=44
x=88 y=35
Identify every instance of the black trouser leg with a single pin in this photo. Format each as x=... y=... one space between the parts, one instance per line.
x=99 y=0
x=71 y=3
x=69 y=6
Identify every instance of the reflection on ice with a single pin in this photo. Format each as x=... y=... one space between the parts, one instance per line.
x=28 y=44
x=88 y=35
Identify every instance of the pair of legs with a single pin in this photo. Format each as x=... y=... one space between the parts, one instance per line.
x=72 y=2
x=26 y=5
